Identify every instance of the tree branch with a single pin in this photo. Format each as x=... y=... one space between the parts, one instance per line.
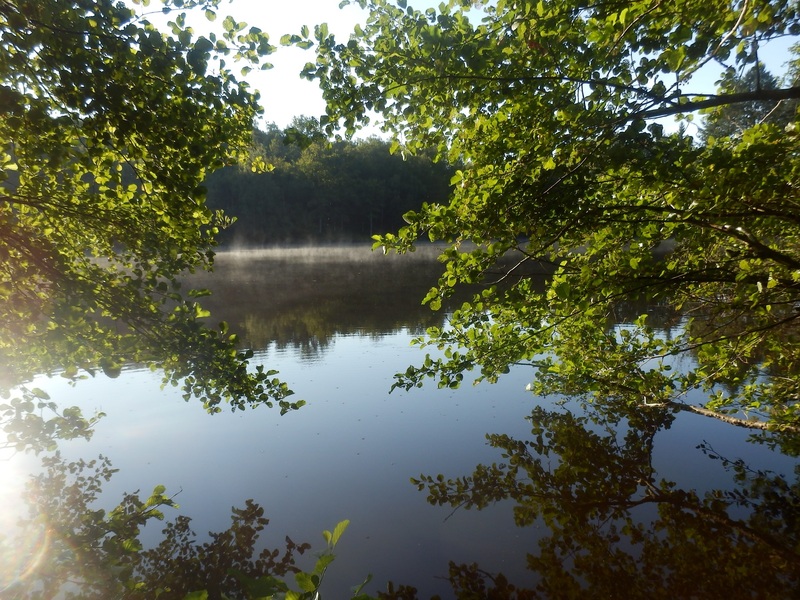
x=762 y=425
x=713 y=101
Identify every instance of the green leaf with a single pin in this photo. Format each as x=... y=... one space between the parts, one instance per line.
x=305 y=581
x=40 y=393
x=323 y=562
x=338 y=531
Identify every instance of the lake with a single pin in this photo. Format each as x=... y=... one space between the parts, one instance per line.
x=337 y=323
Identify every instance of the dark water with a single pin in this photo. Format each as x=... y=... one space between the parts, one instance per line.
x=337 y=325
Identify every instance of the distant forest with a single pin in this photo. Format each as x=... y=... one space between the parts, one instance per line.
x=322 y=192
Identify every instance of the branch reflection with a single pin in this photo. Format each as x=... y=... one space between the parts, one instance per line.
x=614 y=524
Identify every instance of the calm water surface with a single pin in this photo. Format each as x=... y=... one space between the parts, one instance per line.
x=338 y=326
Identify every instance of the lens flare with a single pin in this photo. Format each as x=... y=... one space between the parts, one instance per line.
x=21 y=556
x=22 y=547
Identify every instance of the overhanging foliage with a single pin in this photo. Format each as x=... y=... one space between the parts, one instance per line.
x=553 y=107
x=108 y=129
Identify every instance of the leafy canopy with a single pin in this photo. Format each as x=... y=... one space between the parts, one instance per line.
x=108 y=130
x=556 y=109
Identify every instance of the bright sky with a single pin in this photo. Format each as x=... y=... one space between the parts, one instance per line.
x=285 y=95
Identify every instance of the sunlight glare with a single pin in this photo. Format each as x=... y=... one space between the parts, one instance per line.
x=21 y=550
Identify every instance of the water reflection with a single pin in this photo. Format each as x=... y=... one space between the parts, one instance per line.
x=614 y=523
x=563 y=501
x=601 y=517
x=303 y=298
x=67 y=547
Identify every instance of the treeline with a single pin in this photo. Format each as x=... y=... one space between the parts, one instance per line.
x=322 y=192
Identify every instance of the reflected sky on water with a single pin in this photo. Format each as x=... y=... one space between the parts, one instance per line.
x=338 y=328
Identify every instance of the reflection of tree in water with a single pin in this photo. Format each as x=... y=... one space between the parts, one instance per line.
x=289 y=301
x=616 y=527
x=586 y=479
x=78 y=550
x=613 y=525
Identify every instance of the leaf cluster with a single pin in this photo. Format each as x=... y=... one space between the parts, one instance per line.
x=556 y=112
x=110 y=127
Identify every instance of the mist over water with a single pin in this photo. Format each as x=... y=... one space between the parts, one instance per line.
x=329 y=252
